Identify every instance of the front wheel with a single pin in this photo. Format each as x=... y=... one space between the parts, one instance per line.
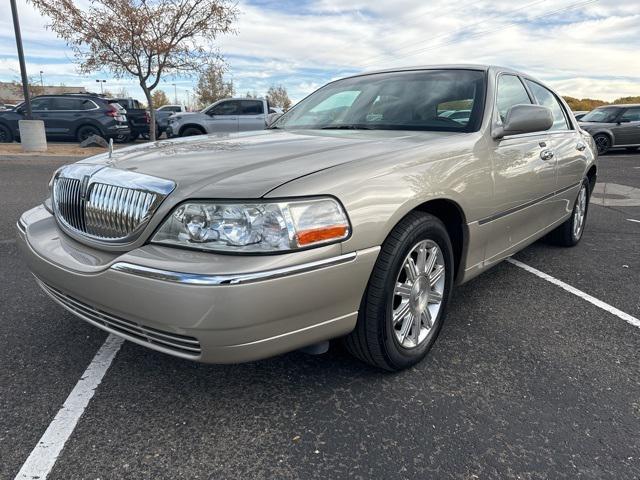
x=570 y=232
x=5 y=135
x=404 y=305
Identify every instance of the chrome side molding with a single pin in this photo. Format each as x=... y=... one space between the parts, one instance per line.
x=230 y=279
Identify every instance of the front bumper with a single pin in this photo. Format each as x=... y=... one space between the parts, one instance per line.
x=217 y=316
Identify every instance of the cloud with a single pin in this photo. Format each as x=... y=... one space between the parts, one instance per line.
x=581 y=47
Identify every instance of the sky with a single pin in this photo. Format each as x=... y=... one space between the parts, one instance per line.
x=583 y=48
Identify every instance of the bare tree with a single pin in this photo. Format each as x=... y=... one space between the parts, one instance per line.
x=141 y=39
x=278 y=97
x=212 y=86
x=159 y=98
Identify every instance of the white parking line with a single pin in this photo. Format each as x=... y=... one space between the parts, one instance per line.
x=44 y=456
x=633 y=220
x=585 y=296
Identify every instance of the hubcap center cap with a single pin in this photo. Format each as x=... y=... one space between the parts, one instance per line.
x=420 y=294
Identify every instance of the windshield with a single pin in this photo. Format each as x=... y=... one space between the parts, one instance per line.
x=605 y=115
x=439 y=100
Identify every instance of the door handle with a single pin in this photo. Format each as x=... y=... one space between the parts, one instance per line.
x=581 y=146
x=546 y=154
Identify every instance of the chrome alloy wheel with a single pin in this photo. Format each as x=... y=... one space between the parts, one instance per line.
x=580 y=213
x=418 y=293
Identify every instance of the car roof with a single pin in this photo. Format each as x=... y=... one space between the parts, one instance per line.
x=621 y=105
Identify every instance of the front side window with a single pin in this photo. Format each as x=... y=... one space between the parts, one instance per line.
x=511 y=92
x=42 y=104
x=412 y=100
x=224 y=108
x=631 y=115
x=601 y=115
x=547 y=99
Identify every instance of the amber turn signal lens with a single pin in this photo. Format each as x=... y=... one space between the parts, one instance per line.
x=323 y=234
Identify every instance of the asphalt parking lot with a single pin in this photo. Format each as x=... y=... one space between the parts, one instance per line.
x=527 y=380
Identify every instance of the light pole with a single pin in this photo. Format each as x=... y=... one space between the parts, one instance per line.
x=23 y=68
x=41 y=82
x=101 y=82
x=175 y=93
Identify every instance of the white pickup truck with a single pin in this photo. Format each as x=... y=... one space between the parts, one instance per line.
x=230 y=115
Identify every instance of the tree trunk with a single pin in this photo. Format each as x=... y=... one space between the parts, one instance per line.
x=152 y=112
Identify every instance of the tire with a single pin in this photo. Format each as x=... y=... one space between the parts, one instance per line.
x=123 y=138
x=377 y=339
x=569 y=233
x=86 y=131
x=603 y=143
x=5 y=135
x=191 y=131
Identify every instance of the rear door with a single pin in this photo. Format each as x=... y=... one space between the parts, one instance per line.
x=568 y=147
x=223 y=117
x=252 y=115
x=524 y=171
x=628 y=130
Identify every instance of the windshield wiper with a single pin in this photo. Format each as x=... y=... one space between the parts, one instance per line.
x=346 y=127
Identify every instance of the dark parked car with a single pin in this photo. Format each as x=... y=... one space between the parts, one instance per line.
x=614 y=126
x=67 y=116
x=137 y=116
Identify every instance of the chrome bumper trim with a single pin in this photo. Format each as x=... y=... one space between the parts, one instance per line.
x=22 y=226
x=233 y=278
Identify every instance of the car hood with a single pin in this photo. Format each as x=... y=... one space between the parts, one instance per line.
x=251 y=165
x=594 y=125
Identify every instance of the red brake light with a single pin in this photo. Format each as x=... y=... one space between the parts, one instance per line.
x=112 y=111
x=147 y=117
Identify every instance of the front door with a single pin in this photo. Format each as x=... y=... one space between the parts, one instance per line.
x=42 y=109
x=524 y=171
x=223 y=117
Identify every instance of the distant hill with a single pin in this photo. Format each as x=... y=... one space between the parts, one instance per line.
x=587 y=104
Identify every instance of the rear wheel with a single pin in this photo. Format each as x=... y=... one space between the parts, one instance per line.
x=603 y=143
x=191 y=131
x=570 y=232
x=404 y=305
x=5 y=135
x=87 y=131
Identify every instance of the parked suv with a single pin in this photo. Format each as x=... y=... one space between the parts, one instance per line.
x=67 y=116
x=230 y=115
x=614 y=126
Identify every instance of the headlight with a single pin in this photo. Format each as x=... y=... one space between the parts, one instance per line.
x=255 y=227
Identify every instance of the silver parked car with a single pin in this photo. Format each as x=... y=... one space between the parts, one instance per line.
x=614 y=126
x=231 y=115
x=354 y=216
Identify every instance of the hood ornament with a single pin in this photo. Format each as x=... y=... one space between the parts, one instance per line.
x=110 y=148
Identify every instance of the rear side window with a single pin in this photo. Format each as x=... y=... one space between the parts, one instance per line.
x=73 y=104
x=546 y=98
x=225 y=108
x=251 y=107
x=631 y=115
x=511 y=92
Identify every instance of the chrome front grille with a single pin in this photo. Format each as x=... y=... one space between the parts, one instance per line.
x=106 y=204
x=182 y=345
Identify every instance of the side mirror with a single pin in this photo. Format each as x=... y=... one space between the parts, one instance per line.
x=525 y=119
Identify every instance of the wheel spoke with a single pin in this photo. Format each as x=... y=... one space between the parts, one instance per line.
x=411 y=269
x=435 y=296
x=422 y=258
x=417 y=324
x=436 y=275
x=406 y=327
x=402 y=290
x=426 y=318
x=433 y=257
x=401 y=312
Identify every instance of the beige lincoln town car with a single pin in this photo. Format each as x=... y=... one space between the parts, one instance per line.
x=354 y=216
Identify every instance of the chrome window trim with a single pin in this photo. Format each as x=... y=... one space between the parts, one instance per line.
x=22 y=225
x=232 y=278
